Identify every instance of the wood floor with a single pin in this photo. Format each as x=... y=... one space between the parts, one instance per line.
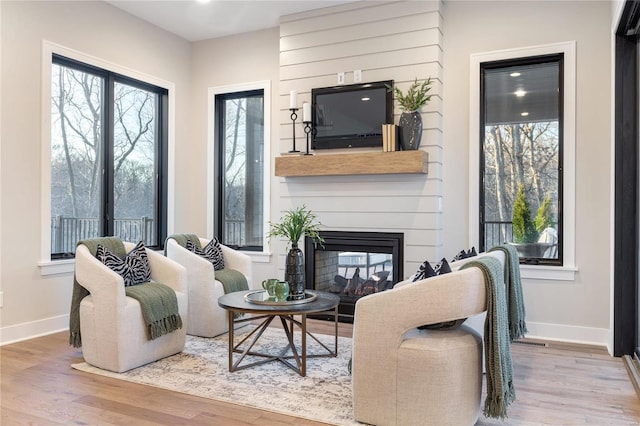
x=555 y=385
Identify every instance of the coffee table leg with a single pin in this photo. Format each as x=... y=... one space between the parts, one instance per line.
x=303 y=368
x=231 y=327
x=335 y=320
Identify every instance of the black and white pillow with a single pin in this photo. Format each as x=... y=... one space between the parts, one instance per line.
x=212 y=252
x=425 y=271
x=465 y=254
x=442 y=267
x=133 y=268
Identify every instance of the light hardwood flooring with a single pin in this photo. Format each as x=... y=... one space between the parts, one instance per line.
x=555 y=385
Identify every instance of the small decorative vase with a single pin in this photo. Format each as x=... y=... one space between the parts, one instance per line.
x=294 y=272
x=410 y=130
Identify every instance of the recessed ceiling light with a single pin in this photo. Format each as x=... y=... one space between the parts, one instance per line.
x=365 y=99
x=203 y=1
x=515 y=74
x=524 y=114
x=520 y=93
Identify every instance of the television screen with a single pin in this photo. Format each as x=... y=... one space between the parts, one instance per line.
x=351 y=116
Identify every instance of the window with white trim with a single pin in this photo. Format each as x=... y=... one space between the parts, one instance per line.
x=239 y=171
x=108 y=157
x=561 y=266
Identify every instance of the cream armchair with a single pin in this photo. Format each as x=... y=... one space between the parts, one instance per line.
x=405 y=376
x=206 y=318
x=114 y=335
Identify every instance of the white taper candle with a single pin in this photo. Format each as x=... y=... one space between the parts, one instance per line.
x=306 y=111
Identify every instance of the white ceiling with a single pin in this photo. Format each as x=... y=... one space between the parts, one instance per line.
x=196 y=20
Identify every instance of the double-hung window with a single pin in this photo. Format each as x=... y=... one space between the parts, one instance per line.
x=108 y=157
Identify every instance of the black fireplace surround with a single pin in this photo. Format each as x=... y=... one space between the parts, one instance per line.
x=321 y=265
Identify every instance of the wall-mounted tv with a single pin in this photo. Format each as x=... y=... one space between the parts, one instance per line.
x=351 y=116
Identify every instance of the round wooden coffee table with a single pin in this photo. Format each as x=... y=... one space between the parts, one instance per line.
x=262 y=308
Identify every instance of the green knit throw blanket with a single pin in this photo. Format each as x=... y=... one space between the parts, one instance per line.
x=158 y=302
x=159 y=307
x=498 y=366
x=513 y=283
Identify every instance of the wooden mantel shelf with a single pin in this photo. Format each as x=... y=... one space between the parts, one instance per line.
x=361 y=163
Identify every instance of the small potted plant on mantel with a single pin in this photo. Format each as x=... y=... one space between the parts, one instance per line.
x=411 y=103
x=526 y=231
x=293 y=225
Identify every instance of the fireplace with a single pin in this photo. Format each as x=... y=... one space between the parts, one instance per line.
x=353 y=265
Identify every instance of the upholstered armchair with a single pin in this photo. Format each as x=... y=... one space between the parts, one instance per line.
x=206 y=318
x=402 y=375
x=114 y=333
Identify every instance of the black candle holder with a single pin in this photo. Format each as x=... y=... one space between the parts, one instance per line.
x=294 y=117
x=308 y=129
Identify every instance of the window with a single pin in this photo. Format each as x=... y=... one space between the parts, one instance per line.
x=562 y=267
x=108 y=157
x=521 y=156
x=240 y=148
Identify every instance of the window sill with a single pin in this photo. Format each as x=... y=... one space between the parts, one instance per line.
x=556 y=273
x=258 y=256
x=56 y=267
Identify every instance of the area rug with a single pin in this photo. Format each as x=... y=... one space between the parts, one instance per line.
x=202 y=369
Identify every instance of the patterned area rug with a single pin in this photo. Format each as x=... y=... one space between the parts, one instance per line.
x=202 y=369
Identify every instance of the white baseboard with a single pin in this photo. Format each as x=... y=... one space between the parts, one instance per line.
x=544 y=331
x=30 y=330
x=568 y=333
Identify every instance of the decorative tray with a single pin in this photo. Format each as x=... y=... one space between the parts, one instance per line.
x=261 y=297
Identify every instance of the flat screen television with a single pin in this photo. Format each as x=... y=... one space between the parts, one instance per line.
x=351 y=116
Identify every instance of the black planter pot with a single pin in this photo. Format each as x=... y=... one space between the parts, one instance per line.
x=294 y=273
x=410 y=130
x=532 y=250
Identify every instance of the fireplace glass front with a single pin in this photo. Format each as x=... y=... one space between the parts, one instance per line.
x=353 y=265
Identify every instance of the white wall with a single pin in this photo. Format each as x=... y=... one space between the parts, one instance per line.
x=567 y=310
x=398 y=41
x=34 y=304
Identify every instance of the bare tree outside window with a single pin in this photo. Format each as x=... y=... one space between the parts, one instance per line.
x=78 y=151
x=241 y=147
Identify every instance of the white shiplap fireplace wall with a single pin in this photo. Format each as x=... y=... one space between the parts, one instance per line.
x=397 y=41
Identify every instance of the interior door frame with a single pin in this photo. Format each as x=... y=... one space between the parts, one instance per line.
x=625 y=263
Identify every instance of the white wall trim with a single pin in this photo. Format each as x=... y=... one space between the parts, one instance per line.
x=33 y=329
x=47 y=266
x=569 y=141
x=265 y=86
x=568 y=333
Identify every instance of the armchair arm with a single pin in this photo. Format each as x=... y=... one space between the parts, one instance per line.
x=106 y=286
x=383 y=318
x=199 y=270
